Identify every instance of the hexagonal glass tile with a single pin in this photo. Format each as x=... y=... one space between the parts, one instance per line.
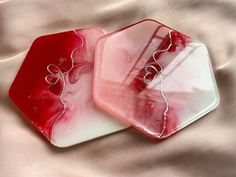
x=154 y=78
x=53 y=88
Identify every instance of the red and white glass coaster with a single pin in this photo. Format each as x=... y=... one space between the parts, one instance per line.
x=53 y=88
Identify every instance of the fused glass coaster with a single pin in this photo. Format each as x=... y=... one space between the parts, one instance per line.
x=53 y=88
x=154 y=78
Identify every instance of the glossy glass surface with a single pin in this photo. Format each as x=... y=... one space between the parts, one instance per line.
x=53 y=88
x=154 y=78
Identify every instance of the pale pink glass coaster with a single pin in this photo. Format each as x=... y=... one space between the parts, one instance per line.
x=154 y=78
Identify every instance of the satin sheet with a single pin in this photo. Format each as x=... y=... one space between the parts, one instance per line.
x=206 y=148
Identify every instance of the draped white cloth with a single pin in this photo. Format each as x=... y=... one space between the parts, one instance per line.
x=206 y=148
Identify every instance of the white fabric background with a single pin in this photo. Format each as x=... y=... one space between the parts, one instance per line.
x=207 y=148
